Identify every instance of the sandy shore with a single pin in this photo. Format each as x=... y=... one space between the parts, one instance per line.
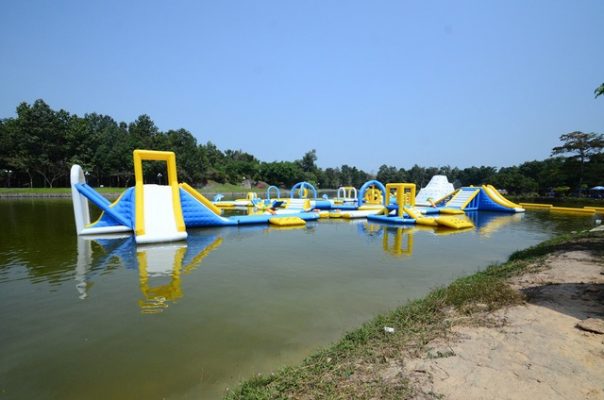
x=541 y=349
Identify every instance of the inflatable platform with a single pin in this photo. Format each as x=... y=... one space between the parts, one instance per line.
x=403 y=208
x=156 y=213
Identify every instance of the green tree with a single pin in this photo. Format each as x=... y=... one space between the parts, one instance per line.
x=41 y=141
x=346 y=175
x=14 y=150
x=4 y=144
x=309 y=167
x=599 y=90
x=514 y=181
x=451 y=173
x=548 y=173
x=239 y=164
x=330 y=178
x=113 y=145
x=582 y=146
x=143 y=132
x=594 y=170
x=418 y=176
x=308 y=161
x=80 y=141
x=387 y=174
x=553 y=172
x=214 y=162
x=281 y=173
x=40 y=144
x=189 y=159
x=476 y=175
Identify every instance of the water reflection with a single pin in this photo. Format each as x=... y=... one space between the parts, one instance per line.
x=398 y=240
x=398 y=246
x=82 y=267
x=160 y=267
x=115 y=248
x=487 y=223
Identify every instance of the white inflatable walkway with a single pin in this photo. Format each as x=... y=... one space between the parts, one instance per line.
x=159 y=226
x=463 y=197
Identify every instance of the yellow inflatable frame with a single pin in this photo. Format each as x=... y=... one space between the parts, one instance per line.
x=150 y=155
x=405 y=195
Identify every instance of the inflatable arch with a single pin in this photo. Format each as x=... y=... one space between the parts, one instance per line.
x=373 y=186
x=303 y=187
x=268 y=192
x=347 y=192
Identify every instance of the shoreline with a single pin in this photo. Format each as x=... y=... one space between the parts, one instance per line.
x=488 y=323
x=112 y=193
x=109 y=195
x=43 y=195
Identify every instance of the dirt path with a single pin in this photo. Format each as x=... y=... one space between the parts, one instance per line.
x=531 y=351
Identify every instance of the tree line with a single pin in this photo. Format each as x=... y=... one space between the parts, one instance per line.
x=38 y=146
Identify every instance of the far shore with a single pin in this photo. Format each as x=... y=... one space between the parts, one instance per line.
x=240 y=191
x=112 y=192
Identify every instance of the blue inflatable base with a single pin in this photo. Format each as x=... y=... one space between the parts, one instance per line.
x=323 y=204
x=391 y=220
x=263 y=219
x=346 y=207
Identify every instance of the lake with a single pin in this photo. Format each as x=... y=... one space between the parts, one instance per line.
x=101 y=318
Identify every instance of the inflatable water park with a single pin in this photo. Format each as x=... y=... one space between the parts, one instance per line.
x=163 y=213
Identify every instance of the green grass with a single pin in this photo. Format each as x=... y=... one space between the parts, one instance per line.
x=560 y=201
x=224 y=188
x=350 y=368
x=53 y=191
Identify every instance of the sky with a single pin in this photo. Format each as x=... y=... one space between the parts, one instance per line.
x=365 y=83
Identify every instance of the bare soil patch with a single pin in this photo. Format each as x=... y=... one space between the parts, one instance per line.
x=536 y=350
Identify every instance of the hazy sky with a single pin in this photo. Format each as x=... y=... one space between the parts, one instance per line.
x=363 y=82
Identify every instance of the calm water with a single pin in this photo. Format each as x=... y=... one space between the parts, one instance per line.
x=102 y=319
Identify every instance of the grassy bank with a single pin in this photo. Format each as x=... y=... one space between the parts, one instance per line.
x=42 y=192
x=210 y=188
x=226 y=189
x=229 y=190
x=350 y=368
x=560 y=201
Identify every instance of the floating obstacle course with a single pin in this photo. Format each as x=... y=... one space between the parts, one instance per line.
x=155 y=213
x=163 y=213
x=403 y=210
